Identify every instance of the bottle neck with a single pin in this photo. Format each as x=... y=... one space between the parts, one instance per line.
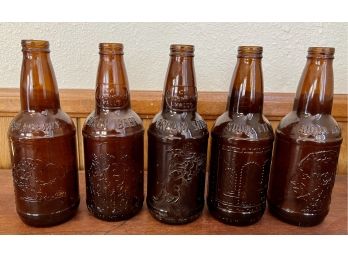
x=180 y=93
x=112 y=92
x=38 y=85
x=315 y=90
x=246 y=90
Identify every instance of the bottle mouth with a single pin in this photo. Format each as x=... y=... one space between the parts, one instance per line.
x=250 y=51
x=35 y=45
x=182 y=50
x=321 y=52
x=110 y=48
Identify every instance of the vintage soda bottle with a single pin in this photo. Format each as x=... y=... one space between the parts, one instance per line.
x=113 y=137
x=43 y=144
x=177 y=141
x=242 y=140
x=307 y=146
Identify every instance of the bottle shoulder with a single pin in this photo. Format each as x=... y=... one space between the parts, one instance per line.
x=306 y=127
x=117 y=123
x=181 y=125
x=45 y=124
x=252 y=126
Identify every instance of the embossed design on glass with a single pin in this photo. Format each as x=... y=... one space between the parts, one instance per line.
x=49 y=179
x=43 y=145
x=113 y=143
x=242 y=140
x=184 y=167
x=177 y=147
x=108 y=177
x=317 y=165
x=307 y=147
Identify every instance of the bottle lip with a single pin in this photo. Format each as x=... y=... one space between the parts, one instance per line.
x=321 y=52
x=250 y=51
x=111 y=48
x=35 y=45
x=182 y=50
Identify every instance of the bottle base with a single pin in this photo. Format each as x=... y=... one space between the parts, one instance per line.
x=163 y=217
x=113 y=218
x=235 y=219
x=296 y=218
x=49 y=220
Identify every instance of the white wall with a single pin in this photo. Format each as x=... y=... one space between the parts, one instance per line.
x=74 y=51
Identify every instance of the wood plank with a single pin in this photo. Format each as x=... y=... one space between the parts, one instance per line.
x=80 y=102
x=143 y=223
x=146 y=124
x=210 y=124
x=342 y=161
x=5 y=159
x=80 y=122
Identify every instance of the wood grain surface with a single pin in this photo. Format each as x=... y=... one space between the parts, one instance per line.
x=143 y=223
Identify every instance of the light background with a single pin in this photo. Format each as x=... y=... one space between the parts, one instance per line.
x=74 y=51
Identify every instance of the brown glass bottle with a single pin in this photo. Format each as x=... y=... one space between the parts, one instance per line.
x=43 y=144
x=242 y=140
x=113 y=137
x=177 y=139
x=307 y=146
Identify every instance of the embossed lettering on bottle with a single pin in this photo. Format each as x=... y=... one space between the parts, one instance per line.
x=178 y=100
x=107 y=96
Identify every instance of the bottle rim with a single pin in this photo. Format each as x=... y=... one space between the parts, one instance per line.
x=111 y=48
x=250 y=51
x=182 y=50
x=35 y=45
x=321 y=52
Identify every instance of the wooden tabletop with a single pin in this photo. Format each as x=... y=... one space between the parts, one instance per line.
x=143 y=223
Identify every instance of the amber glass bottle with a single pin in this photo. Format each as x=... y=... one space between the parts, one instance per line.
x=43 y=144
x=178 y=139
x=307 y=146
x=242 y=140
x=113 y=137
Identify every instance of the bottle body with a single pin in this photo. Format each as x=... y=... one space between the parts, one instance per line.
x=114 y=166
x=43 y=145
x=239 y=168
x=113 y=137
x=307 y=147
x=242 y=141
x=304 y=168
x=177 y=146
x=45 y=177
